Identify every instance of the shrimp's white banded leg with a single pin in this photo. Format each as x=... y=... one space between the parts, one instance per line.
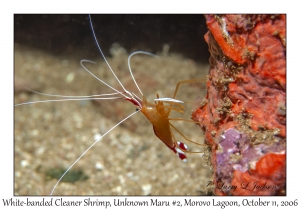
x=179 y=149
x=182 y=146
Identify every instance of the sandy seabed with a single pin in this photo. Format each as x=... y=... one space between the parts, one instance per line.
x=130 y=160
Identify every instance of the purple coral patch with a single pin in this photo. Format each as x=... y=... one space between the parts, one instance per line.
x=236 y=153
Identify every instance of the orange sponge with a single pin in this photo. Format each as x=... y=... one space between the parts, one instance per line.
x=244 y=119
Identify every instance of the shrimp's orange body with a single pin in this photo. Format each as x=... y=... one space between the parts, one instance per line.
x=158 y=115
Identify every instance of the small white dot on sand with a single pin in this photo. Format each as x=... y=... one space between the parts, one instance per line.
x=70 y=77
x=35 y=132
x=99 y=166
x=24 y=163
x=147 y=189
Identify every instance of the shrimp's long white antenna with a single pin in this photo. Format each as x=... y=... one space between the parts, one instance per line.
x=132 y=54
x=130 y=94
x=63 y=96
x=81 y=63
x=70 y=99
x=89 y=149
x=104 y=56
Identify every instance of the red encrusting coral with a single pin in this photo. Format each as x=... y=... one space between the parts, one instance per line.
x=267 y=179
x=246 y=102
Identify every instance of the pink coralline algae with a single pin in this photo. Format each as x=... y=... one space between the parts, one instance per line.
x=244 y=112
x=235 y=153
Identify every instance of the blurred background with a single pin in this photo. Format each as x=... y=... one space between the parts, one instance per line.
x=64 y=34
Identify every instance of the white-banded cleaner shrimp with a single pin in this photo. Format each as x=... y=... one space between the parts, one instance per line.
x=53 y=135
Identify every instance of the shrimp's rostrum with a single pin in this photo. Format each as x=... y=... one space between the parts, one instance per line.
x=129 y=160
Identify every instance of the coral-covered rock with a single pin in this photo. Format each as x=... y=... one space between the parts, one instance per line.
x=244 y=117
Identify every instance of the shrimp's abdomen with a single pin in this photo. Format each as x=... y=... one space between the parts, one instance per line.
x=160 y=124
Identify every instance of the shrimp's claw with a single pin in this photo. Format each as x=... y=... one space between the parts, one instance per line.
x=180 y=154
x=179 y=150
x=182 y=146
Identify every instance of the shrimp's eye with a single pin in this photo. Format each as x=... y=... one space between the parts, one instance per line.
x=137 y=109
